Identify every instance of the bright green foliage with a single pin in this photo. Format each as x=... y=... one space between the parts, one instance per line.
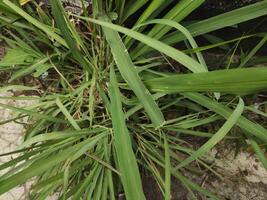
x=234 y=81
x=123 y=146
x=129 y=73
x=116 y=99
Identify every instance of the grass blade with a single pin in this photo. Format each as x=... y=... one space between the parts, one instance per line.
x=220 y=21
x=217 y=137
x=44 y=164
x=67 y=115
x=177 y=13
x=126 y=159
x=247 y=125
x=167 y=194
x=129 y=73
x=132 y=7
x=70 y=35
x=47 y=29
x=184 y=31
x=253 y=51
x=259 y=152
x=175 y=54
x=28 y=70
x=233 y=81
x=33 y=114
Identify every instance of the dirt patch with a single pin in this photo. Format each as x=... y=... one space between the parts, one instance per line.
x=244 y=177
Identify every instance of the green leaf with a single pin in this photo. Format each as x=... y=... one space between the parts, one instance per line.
x=130 y=74
x=177 y=13
x=259 y=152
x=70 y=35
x=42 y=69
x=132 y=7
x=153 y=6
x=127 y=163
x=220 y=21
x=120 y=4
x=28 y=69
x=43 y=164
x=253 y=51
x=87 y=180
x=247 y=125
x=175 y=54
x=167 y=194
x=47 y=29
x=185 y=32
x=217 y=137
x=67 y=114
x=56 y=135
x=233 y=81
x=32 y=113
x=15 y=56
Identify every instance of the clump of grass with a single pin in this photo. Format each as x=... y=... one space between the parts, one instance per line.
x=107 y=91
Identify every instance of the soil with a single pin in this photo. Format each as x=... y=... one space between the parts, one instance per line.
x=220 y=6
x=244 y=177
x=152 y=191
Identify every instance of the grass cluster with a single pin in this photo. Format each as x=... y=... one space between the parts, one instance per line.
x=116 y=99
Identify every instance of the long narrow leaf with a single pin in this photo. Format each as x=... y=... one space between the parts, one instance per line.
x=217 y=137
x=247 y=125
x=167 y=194
x=47 y=29
x=220 y=21
x=67 y=114
x=233 y=81
x=253 y=51
x=126 y=159
x=132 y=7
x=71 y=37
x=175 y=54
x=32 y=113
x=44 y=164
x=177 y=13
x=129 y=73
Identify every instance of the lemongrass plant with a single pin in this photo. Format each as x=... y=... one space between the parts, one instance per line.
x=108 y=81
